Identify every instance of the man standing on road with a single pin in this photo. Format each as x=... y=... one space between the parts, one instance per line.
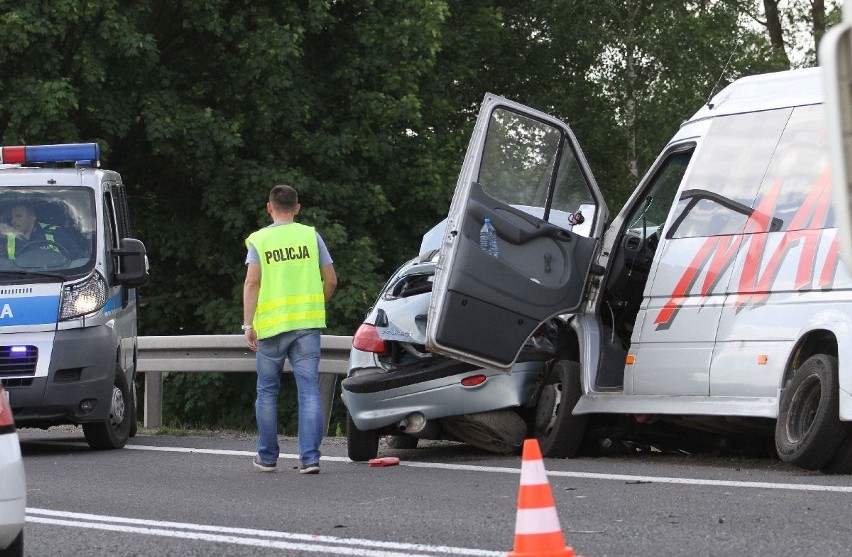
x=290 y=276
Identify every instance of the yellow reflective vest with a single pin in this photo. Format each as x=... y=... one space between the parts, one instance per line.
x=291 y=294
x=48 y=229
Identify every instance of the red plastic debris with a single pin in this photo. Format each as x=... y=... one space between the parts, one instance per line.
x=384 y=461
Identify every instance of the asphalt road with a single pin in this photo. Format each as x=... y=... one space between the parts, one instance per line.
x=199 y=495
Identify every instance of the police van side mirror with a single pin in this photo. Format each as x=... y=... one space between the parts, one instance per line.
x=132 y=262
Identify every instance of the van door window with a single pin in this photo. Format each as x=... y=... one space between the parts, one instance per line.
x=518 y=167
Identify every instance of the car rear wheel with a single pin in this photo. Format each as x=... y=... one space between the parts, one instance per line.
x=114 y=432
x=808 y=432
x=360 y=445
x=559 y=432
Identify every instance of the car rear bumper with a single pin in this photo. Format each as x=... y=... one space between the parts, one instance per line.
x=377 y=399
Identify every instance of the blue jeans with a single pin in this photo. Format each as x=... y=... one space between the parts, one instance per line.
x=303 y=349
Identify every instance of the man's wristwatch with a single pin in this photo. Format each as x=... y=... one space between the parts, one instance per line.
x=247 y=327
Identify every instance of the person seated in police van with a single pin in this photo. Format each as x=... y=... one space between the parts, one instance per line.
x=24 y=231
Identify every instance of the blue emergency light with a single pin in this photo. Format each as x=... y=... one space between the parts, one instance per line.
x=82 y=153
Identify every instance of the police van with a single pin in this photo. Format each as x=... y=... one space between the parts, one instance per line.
x=69 y=271
x=713 y=301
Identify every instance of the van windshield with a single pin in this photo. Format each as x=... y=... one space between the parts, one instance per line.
x=46 y=231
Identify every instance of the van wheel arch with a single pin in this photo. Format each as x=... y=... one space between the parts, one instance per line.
x=115 y=430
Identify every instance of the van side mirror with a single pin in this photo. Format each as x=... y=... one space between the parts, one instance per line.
x=132 y=262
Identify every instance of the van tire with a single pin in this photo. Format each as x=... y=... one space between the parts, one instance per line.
x=17 y=547
x=808 y=432
x=114 y=432
x=360 y=445
x=559 y=432
x=842 y=461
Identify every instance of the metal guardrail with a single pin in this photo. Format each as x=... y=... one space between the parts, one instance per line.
x=223 y=353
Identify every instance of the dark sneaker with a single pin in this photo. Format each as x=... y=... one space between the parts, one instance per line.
x=309 y=468
x=264 y=467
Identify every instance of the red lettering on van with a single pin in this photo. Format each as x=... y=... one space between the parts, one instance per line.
x=806 y=227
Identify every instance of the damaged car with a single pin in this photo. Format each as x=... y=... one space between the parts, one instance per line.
x=397 y=388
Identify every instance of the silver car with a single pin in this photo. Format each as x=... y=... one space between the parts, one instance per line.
x=13 y=484
x=396 y=387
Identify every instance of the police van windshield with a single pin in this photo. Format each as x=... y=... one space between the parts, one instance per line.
x=46 y=231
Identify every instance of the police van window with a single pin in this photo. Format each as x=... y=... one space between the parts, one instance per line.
x=728 y=170
x=797 y=184
x=46 y=228
x=518 y=162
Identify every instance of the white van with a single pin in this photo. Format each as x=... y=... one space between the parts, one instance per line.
x=713 y=299
x=68 y=277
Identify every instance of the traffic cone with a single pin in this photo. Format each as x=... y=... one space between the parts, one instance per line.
x=537 y=530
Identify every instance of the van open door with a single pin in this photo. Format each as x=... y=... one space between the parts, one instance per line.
x=835 y=54
x=525 y=171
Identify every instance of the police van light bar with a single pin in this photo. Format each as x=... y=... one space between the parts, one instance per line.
x=88 y=153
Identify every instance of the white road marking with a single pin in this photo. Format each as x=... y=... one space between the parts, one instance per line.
x=249 y=536
x=556 y=473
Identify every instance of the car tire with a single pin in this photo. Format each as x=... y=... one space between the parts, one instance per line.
x=114 y=432
x=808 y=432
x=360 y=445
x=559 y=432
x=134 y=426
x=499 y=431
x=404 y=442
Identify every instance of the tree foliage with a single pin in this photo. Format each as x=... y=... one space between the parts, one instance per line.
x=365 y=106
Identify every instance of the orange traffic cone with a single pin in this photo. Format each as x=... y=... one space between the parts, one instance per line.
x=537 y=530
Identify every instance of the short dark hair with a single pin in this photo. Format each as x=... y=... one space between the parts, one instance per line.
x=284 y=198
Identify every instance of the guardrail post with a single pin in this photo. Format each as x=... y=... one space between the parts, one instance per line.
x=327 y=385
x=153 y=399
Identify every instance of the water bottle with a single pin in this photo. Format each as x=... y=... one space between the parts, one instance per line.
x=488 y=238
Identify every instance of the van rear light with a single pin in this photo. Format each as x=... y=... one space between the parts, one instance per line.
x=6 y=419
x=367 y=339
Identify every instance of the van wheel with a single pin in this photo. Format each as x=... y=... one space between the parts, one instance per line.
x=113 y=433
x=842 y=461
x=17 y=547
x=360 y=445
x=808 y=431
x=559 y=432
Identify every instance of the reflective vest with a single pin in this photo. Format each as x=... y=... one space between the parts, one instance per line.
x=291 y=294
x=48 y=230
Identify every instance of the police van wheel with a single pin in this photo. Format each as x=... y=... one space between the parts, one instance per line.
x=114 y=432
x=360 y=445
x=559 y=432
x=808 y=432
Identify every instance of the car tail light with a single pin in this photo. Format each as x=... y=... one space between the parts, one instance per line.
x=6 y=418
x=367 y=339
x=473 y=380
